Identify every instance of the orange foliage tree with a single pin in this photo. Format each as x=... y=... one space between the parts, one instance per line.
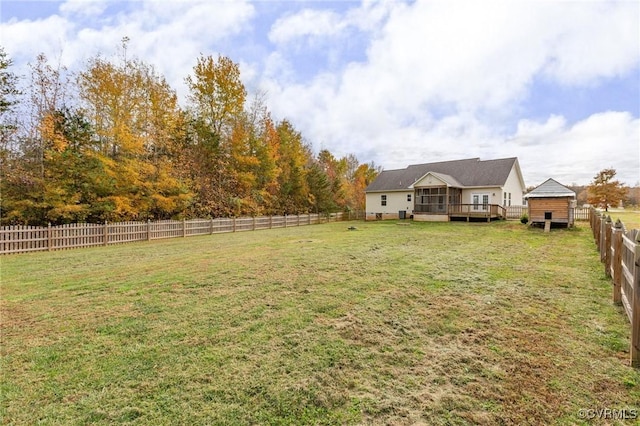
x=605 y=192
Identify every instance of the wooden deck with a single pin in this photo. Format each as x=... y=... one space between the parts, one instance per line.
x=486 y=212
x=477 y=211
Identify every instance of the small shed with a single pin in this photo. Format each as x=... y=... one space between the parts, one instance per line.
x=551 y=202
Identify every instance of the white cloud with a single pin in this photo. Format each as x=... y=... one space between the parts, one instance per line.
x=442 y=80
x=598 y=40
x=23 y=40
x=312 y=24
x=576 y=153
x=169 y=35
x=83 y=8
x=532 y=133
x=306 y=23
x=431 y=80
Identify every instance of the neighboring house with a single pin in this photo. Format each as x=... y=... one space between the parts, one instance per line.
x=551 y=201
x=445 y=190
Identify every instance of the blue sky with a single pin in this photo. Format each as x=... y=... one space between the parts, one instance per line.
x=554 y=83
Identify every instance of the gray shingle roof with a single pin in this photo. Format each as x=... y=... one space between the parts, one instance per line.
x=550 y=188
x=470 y=172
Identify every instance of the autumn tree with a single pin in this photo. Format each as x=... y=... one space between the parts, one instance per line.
x=634 y=195
x=26 y=198
x=294 y=156
x=117 y=146
x=49 y=89
x=362 y=177
x=9 y=93
x=11 y=172
x=269 y=170
x=254 y=160
x=320 y=195
x=136 y=121
x=73 y=175
x=604 y=191
x=216 y=92
x=216 y=105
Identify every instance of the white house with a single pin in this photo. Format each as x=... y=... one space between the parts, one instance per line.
x=444 y=190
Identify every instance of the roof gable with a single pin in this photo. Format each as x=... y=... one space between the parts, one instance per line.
x=550 y=188
x=470 y=172
x=436 y=179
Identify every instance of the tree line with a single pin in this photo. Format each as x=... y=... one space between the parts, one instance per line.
x=112 y=143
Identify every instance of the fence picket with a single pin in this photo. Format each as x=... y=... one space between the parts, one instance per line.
x=620 y=252
x=22 y=239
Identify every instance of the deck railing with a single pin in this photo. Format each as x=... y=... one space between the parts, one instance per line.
x=471 y=210
x=478 y=210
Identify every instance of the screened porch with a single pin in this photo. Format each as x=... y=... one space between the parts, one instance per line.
x=436 y=200
x=443 y=200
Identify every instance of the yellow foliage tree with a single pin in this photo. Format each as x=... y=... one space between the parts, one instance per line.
x=136 y=119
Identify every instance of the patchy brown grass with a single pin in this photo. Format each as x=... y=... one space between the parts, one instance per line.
x=423 y=324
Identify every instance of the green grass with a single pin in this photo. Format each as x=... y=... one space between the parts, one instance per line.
x=449 y=323
x=630 y=218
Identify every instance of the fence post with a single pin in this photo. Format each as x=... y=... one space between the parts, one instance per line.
x=285 y=220
x=184 y=228
x=270 y=221
x=148 y=229
x=211 y=226
x=616 y=244
x=105 y=233
x=607 y=246
x=603 y=232
x=635 y=307
x=49 y=238
x=234 y=224
x=254 y=223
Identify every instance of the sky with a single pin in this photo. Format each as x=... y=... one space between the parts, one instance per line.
x=554 y=83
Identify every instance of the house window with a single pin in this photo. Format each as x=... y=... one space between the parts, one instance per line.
x=383 y=200
x=408 y=198
x=509 y=198
x=504 y=203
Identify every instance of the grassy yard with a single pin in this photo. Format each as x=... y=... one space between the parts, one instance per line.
x=449 y=323
x=630 y=218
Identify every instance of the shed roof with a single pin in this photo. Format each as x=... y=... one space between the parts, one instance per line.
x=471 y=172
x=550 y=189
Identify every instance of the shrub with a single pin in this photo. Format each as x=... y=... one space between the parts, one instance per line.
x=524 y=219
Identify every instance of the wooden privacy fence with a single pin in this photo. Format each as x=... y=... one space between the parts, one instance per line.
x=21 y=239
x=620 y=252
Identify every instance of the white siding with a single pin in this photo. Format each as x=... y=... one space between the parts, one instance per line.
x=495 y=194
x=396 y=201
x=514 y=187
